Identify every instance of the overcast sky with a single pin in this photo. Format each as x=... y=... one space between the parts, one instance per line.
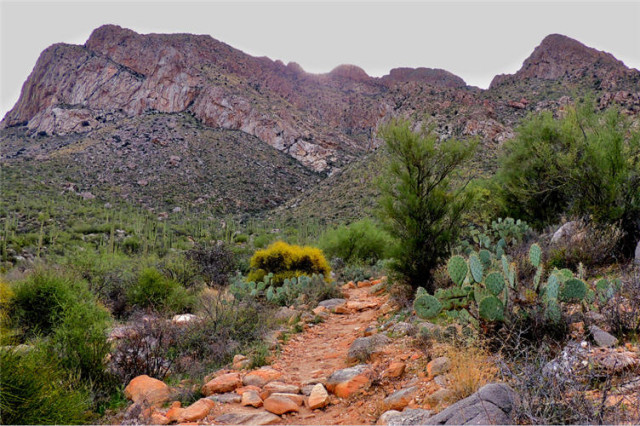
x=474 y=40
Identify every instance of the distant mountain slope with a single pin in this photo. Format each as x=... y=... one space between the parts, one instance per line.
x=162 y=161
x=102 y=105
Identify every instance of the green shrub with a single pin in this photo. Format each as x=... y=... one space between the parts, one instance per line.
x=35 y=390
x=154 y=290
x=40 y=300
x=360 y=241
x=423 y=199
x=80 y=340
x=262 y=240
x=584 y=164
x=287 y=261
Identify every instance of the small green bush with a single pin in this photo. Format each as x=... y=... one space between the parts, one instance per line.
x=154 y=290
x=40 y=301
x=360 y=241
x=35 y=390
x=287 y=261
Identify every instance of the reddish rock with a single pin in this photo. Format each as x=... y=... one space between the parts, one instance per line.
x=280 y=405
x=295 y=397
x=400 y=399
x=438 y=366
x=261 y=377
x=350 y=381
x=144 y=389
x=222 y=384
x=395 y=370
x=251 y=398
x=319 y=397
x=196 y=411
x=280 y=387
x=243 y=389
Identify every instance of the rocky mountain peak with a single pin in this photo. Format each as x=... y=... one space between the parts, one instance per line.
x=560 y=56
x=435 y=77
x=349 y=72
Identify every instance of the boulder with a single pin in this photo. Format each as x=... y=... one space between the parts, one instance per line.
x=280 y=405
x=566 y=233
x=318 y=398
x=395 y=370
x=251 y=398
x=332 y=304
x=349 y=381
x=222 y=384
x=146 y=390
x=226 y=398
x=196 y=411
x=240 y=362
x=438 y=366
x=400 y=399
x=602 y=338
x=363 y=348
x=295 y=397
x=438 y=396
x=493 y=404
x=252 y=418
x=261 y=377
x=183 y=318
x=407 y=417
x=280 y=387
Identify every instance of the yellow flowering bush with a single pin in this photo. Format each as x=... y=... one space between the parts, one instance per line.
x=286 y=261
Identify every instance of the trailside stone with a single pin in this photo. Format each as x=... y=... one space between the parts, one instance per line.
x=438 y=366
x=492 y=404
x=332 y=304
x=226 y=398
x=280 y=405
x=145 y=389
x=222 y=384
x=349 y=381
x=255 y=418
x=261 y=377
x=400 y=399
x=240 y=362
x=318 y=398
x=295 y=397
x=407 y=417
x=251 y=398
x=280 y=387
x=395 y=370
x=601 y=337
x=196 y=411
x=363 y=348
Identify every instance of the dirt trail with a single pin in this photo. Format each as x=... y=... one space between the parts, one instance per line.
x=319 y=351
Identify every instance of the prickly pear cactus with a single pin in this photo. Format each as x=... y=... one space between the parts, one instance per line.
x=457 y=268
x=427 y=306
x=494 y=282
x=491 y=309
x=485 y=258
x=535 y=254
x=477 y=270
x=420 y=291
x=573 y=290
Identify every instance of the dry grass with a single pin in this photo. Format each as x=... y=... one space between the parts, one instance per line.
x=471 y=368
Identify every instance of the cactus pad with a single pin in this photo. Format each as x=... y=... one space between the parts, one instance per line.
x=485 y=257
x=494 y=283
x=477 y=270
x=457 y=268
x=535 y=254
x=573 y=290
x=427 y=306
x=491 y=309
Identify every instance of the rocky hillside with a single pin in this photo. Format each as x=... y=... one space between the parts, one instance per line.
x=86 y=101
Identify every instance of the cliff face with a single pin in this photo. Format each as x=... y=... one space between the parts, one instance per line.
x=323 y=121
